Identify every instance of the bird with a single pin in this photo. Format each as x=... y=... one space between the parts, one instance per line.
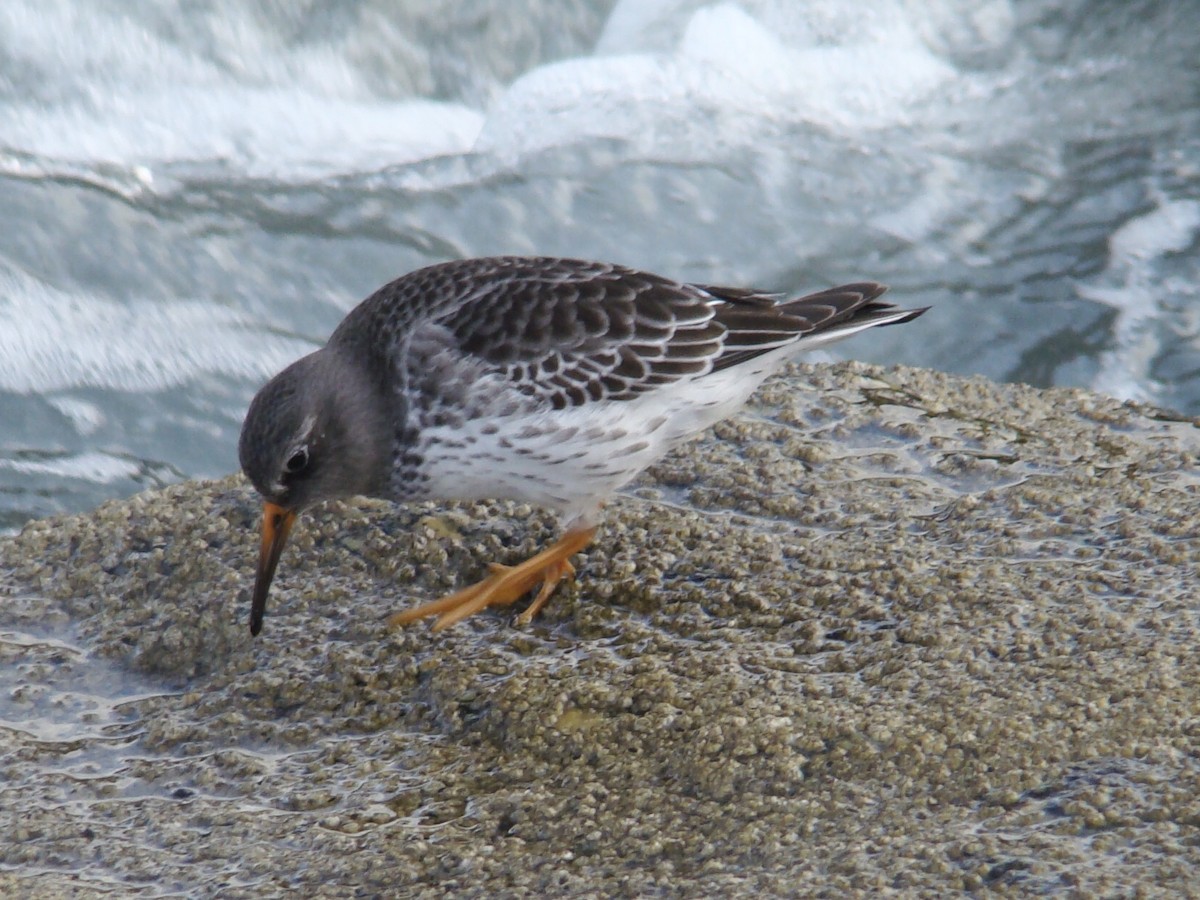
x=544 y=380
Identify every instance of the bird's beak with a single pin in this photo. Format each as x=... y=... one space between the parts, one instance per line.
x=277 y=523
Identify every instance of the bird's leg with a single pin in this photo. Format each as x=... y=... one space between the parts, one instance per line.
x=504 y=585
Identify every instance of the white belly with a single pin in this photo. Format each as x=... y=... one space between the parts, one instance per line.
x=571 y=460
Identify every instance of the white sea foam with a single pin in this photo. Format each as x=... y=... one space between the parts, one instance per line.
x=51 y=340
x=727 y=80
x=128 y=96
x=87 y=418
x=96 y=467
x=1133 y=285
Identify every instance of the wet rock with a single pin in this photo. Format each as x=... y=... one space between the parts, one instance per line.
x=888 y=630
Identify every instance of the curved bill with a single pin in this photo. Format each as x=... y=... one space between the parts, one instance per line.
x=276 y=524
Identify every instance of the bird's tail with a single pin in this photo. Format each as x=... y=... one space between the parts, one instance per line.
x=758 y=323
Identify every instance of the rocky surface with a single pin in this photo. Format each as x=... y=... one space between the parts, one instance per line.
x=889 y=631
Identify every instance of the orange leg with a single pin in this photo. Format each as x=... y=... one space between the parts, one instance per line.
x=504 y=585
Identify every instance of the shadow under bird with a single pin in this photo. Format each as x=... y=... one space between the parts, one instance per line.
x=544 y=380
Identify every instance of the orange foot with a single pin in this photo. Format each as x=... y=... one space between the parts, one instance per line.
x=504 y=585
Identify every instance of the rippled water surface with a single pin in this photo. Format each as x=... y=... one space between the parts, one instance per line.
x=196 y=193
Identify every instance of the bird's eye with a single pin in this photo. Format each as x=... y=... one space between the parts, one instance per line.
x=297 y=462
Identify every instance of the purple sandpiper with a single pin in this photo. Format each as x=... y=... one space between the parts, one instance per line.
x=543 y=380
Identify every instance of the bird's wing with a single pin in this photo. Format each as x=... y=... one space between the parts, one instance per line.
x=573 y=332
x=569 y=332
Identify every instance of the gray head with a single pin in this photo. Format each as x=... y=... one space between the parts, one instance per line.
x=318 y=430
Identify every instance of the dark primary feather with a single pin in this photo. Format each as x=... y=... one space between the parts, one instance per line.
x=760 y=322
x=568 y=331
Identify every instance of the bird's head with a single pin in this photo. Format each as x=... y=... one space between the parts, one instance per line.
x=316 y=431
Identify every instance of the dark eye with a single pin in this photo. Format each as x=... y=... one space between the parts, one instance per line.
x=297 y=462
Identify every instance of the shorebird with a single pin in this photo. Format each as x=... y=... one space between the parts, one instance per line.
x=550 y=381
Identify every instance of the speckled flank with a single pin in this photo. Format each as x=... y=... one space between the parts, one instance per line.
x=889 y=633
x=568 y=459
